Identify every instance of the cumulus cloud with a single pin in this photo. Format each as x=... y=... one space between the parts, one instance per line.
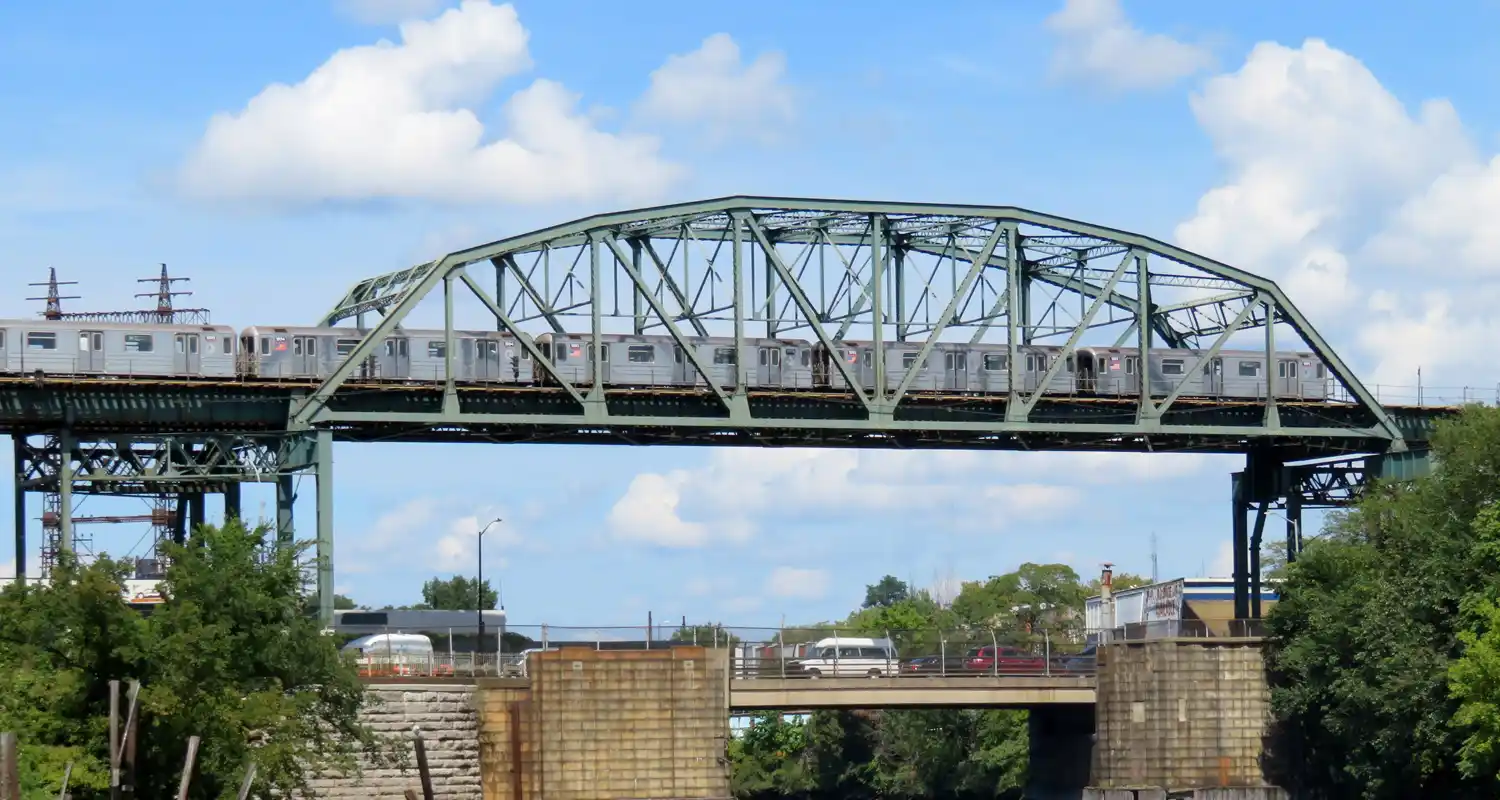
x=399 y=120
x=1451 y=223
x=1316 y=148
x=797 y=583
x=382 y=12
x=713 y=86
x=1095 y=42
x=739 y=490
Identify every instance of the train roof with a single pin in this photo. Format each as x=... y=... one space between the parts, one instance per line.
x=360 y=333
x=83 y=324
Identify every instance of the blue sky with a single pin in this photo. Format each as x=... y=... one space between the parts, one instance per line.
x=1344 y=149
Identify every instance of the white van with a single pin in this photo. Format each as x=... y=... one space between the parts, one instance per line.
x=846 y=657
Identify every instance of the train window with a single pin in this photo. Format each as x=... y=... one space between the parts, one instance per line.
x=994 y=362
x=676 y=354
x=724 y=355
x=775 y=357
x=604 y=352
x=806 y=358
x=525 y=354
x=1320 y=372
x=2 y=340
x=1172 y=366
x=961 y=362
x=1069 y=366
x=1249 y=369
x=641 y=353
x=41 y=341
x=139 y=343
x=297 y=346
x=763 y=356
x=546 y=348
x=867 y=358
x=1130 y=365
x=437 y=349
x=908 y=360
x=312 y=346
x=344 y=347
x=265 y=345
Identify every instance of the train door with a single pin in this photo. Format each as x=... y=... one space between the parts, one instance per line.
x=1036 y=366
x=90 y=351
x=487 y=364
x=4 y=362
x=1087 y=372
x=1213 y=377
x=603 y=357
x=1286 y=379
x=956 y=370
x=680 y=367
x=304 y=355
x=768 y=372
x=396 y=361
x=185 y=353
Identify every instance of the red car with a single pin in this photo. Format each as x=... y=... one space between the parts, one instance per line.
x=1010 y=660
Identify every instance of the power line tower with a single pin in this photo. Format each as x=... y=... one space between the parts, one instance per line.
x=165 y=312
x=165 y=520
x=54 y=299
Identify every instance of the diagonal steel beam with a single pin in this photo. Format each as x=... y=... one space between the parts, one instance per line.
x=1067 y=350
x=688 y=350
x=976 y=266
x=682 y=301
x=543 y=306
x=1204 y=358
x=807 y=308
x=537 y=358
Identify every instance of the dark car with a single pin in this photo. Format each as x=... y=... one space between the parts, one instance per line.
x=1084 y=661
x=935 y=665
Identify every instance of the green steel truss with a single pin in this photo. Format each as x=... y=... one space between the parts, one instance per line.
x=830 y=271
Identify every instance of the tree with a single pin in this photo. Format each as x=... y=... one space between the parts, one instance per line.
x=705 y=635
x=342 y=603
x=887 y=591
x=1380 y=648
x=1034 y=598
x=1118 y=582
x=228 y=656
x=457 y=593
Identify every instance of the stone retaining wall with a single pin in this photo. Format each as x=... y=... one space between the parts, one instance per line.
x=450 y=729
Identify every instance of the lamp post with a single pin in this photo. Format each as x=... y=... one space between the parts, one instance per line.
x=479 y=588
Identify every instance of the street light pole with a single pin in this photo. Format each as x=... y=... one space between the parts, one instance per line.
x=479 y=589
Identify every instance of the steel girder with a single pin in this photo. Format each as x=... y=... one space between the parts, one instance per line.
x=832 y=271
x=128 y=465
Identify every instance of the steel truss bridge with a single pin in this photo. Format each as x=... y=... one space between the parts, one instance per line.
x=749 y=267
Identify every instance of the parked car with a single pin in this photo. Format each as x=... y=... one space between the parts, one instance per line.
x=1084 y=661
x=935 y=665
x=1004 y=660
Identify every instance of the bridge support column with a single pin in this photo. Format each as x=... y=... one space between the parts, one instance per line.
x=65 y=492
x=20 y=488
x=286 y=496
x=1241 y=546
x=231 y=501
x=324 y=471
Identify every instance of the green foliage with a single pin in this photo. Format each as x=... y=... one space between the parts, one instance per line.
x=1119 y=582
x=886 y=592
x=342 y=603
x=1382 y=649
x=917 y=753
x=230 y=657
x=457 y=593
x=705 y=635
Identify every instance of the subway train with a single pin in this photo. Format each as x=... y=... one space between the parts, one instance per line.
x=272 y=353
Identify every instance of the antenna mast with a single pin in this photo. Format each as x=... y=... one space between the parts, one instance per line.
x=1154 y=577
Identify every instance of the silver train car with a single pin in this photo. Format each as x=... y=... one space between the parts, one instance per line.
x=632 y=360
x=308 y=353
x=65 y=347
x=407 y=355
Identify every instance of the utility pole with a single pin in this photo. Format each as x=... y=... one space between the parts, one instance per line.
x=479 y=588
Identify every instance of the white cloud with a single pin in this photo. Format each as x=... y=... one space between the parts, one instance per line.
x=396 y=120
x=801 y=584
x=727 y=499
x=1451 y=224
x=1316 y=148
x=714 y=87
x=381 y=12
x=1097 y=43
x=433 y=532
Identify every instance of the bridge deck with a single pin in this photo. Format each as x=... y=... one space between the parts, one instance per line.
x=776 y=694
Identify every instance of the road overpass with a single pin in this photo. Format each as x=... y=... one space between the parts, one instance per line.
x=981 y=691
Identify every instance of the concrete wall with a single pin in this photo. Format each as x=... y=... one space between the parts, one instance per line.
x=603 y=725
x=450 y=730
x=1181 y=714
